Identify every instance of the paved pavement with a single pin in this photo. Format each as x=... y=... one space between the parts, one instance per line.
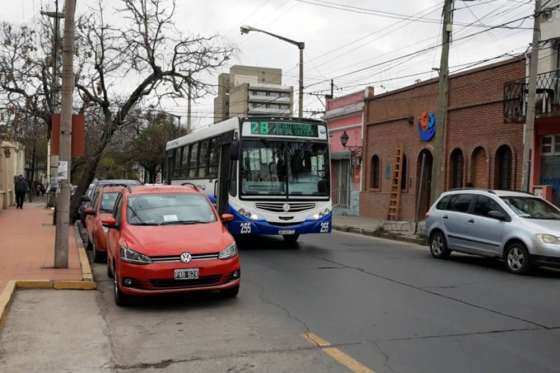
x=388 y=305
x=27 y=246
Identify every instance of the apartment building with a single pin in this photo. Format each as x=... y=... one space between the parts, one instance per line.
x=252 y=90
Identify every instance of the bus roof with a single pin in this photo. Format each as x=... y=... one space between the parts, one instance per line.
x=227 y=125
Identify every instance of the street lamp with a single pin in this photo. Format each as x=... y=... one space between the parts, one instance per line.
x=355 y=150
x=299 y=44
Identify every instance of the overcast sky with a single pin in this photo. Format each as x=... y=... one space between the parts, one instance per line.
x=355 y=36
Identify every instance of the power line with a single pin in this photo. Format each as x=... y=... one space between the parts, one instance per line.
x=419 y=51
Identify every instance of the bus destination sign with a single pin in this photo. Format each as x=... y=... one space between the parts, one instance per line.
x=284 y=129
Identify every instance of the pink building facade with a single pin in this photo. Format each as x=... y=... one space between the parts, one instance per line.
x=345 y=118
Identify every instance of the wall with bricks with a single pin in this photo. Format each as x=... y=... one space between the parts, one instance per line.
x=475 y=120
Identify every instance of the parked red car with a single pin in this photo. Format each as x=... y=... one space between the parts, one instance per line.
x=169 y=239
x=103 y=204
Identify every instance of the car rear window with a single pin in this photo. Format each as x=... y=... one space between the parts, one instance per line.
x=460 y=202
x=108 y=201
x=443 y=203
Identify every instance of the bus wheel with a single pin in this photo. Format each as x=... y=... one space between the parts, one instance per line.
x=291 y=238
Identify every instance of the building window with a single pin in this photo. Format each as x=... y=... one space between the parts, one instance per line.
x=404 y=173
x=504 y=162
x=550 y=145
x=375 y=170
x=456 y=171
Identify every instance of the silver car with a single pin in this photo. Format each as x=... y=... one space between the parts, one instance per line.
x=520 y=228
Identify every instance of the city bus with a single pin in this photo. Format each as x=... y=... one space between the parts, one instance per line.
x=272 y=174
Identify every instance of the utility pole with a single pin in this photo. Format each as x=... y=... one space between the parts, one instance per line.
x=440 y=139
x=63 y=198
x=301 y=46
x=51 y=160
x=189 y=99
x=332 y=88
x=529 y=127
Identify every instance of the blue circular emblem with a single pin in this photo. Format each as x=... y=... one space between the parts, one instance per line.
x=427 y=126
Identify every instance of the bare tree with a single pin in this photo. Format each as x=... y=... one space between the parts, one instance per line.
x=25 y=71
x=145 y=58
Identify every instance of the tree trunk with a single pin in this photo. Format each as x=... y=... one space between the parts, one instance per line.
x=83 y=185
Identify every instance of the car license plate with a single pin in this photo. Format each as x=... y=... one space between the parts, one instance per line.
x=287 y=231
x=186 y=274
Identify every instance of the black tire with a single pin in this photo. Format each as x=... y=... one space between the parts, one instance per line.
x=98 y=256
x=109 y=269
x=121 y=299
x=438 y=246
x=291 y=238
x=231 y=292
x=517 y=259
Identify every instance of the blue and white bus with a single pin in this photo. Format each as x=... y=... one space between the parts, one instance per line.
x=271 y=173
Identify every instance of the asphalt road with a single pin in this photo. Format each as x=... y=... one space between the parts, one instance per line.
x=384 y=305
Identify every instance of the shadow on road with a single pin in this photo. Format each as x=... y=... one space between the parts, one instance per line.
x=498 y=265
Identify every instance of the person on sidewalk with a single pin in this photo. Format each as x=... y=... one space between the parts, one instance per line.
x=21 y=187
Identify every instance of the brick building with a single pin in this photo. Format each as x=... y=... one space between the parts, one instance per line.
x=481 y=149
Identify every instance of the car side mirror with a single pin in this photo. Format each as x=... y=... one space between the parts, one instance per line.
x=497 y=215
x=89 y=211
x=85 y=199
x=226 y=218
x=109 y=221
x=234 y=150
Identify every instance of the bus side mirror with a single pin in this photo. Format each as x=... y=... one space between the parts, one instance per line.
x=234 y=150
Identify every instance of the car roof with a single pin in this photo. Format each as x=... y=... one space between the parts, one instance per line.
x=146 y=189
x=111 y=188
x=489 y=192
x=118 y=181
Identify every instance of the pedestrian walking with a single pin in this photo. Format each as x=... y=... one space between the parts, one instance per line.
x=21 y=187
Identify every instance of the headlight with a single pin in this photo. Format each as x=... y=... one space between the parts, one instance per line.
x=248 y=214
x=321 y=214
x=131 y=256
x=549 y=238
x=228 y=252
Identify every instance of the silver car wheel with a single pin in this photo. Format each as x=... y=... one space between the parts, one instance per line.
x=516 y=259
x=437 y=244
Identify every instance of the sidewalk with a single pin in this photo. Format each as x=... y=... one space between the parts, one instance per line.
x=27 y=246
x=399 y=230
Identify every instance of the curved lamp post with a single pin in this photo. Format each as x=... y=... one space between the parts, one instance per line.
x=299 y=44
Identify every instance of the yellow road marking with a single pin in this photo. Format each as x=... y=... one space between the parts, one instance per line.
x=342 y=358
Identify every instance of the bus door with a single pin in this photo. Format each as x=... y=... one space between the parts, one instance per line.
x=224 y=173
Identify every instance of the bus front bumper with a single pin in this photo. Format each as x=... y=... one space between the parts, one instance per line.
x=243 y=226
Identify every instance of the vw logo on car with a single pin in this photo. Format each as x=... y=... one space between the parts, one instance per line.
x=186 y=257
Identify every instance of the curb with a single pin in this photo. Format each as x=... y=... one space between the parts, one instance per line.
x=379 y=233
x=86 y=283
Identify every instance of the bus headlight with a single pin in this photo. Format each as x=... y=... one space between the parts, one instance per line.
x=321 y=214
x=248 y=214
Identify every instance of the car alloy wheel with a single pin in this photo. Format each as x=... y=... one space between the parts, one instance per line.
x=438 y=246
x=517 y=259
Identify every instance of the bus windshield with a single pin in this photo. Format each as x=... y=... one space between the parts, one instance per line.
x=282 y=168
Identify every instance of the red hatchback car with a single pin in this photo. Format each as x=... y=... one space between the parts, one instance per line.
x=103 y=204
x=169 y=239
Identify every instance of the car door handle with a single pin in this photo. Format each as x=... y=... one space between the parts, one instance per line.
x=471 y=221
x=445 y=217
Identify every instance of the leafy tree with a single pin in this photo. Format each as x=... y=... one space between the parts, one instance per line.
x=148 y=147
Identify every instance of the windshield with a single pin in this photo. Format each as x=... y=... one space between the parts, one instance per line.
x=279 y=168
x=108 y=201
x=532 y=208
x=169 y=209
